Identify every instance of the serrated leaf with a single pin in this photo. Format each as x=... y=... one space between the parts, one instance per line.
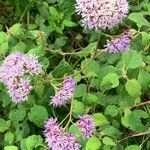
x=111 y=110
x=133 y=121
x=74 y=129
x=9 y=137
x=4 y=125
x=90 y=67
x=133 y=88
x=111 y=80
x=33 y=141
x=99 y=119
x=132 y=59
x=109 y=141
x=93 y=143
x=62 y=69
x=78 y=107
x=2 y=37
x=38 y=115
x=139 y=19
x=80 y=90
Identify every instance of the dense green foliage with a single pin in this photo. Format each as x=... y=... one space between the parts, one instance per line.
x=114 y=88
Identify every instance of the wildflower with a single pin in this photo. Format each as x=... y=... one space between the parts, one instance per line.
x=65 y=93
x=102 y=13
x=12 y=74
x=86 y=125
x=57 y=139
x=120 y=44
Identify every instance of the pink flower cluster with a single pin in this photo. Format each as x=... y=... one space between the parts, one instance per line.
x=65 y=93
x=57 y=139
x=12 y=74
x=120 y=44
x=86 y=125
x=102 y=13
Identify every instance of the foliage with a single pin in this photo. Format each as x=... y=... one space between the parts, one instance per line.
x=113 y=88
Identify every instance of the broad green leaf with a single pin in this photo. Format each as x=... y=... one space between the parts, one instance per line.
x=10 y=148
x=90 y=67
x=9 y=137
x=111 y=110
x=99 y=119
x=61 y=41
x=90 y=98
x=132 y=147
x=78 y=107
x=4 y=125
x=2 y=37
x=80 y=90
x=145 y=38
x=108 y=141
x=111 y=80
x=133 y=120
x=16 y=29
x=132 y=59
x=53 y=11
x=17 y=115
x=69 y=23
x=62 y=69
x=144 y=79
x=33 y=142
x=133 y=88
x=139 y=19
x=93 y=143
x=38 y=115
x=74 y=129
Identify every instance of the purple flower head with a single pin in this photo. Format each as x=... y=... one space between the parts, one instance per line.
x=65 y=93
x=120 y=44
x=57 y=139
x=102 y=13
x=12 y=72
x=86 y=125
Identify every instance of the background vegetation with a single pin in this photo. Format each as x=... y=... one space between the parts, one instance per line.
x=114 y=88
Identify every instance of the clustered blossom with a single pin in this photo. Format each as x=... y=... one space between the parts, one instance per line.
x=86 y=125
x=102 y=13
x=65 y=93
x=12 y=74
x=57 y=139
x=120 y=44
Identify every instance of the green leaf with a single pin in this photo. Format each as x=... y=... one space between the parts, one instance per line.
x=62 y=69
x=38 y=115
x=2 y=37
x=108 y=141
x=53 y=11
x=10 y=148
x=133 y=88
x=61 y=41
x=80 y=90
x=74 y=129
x=145 y=38
x=90 y=67
x=93 y=143
x=144 y=79
x=133 y=121
x=78 y=107
x=132 y=59
x=4 y=125
x=9 y=137
x=132 y=147
x=99 y=119
x=90 y=98
x=69 y=23
x=17 y=115
x=33 y=141
x=111 y=80
x=111 y=110
x=139 y=19
x=16 y=29
x=88 y=50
